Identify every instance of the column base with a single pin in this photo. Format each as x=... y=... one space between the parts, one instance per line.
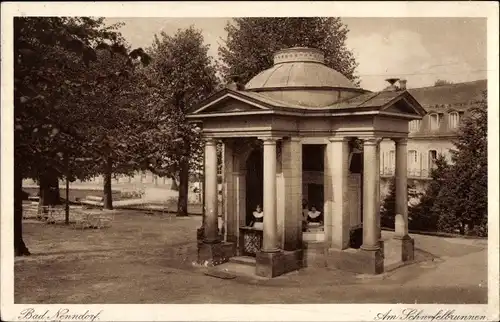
x=215 y=253
x=272 y=264
x=404 y=248
x=199 y=234
x=360 y=261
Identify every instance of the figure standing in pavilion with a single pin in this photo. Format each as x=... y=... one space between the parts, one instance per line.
x=258 y=218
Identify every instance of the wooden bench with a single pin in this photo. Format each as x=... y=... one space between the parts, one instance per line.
x=95 y=198
x=30 y=209
x=34 y=198
x=91 y=201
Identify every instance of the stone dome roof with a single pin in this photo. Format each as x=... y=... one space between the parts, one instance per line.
x=299 y=67
x=299 y=76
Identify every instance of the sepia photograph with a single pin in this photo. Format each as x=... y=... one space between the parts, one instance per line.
x=169 y=154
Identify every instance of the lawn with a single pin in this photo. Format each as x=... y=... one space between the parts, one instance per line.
x=70 y=265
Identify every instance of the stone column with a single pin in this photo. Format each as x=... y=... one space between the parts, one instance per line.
x=402 y=185
x=371 y=179
x=338 y=170
x=270 y=242
x=402 y=245
x=378 y=194
x=291 y=160
x=211 y=216
x=229 y=195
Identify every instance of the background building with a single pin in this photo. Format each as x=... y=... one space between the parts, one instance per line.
x=446 y=106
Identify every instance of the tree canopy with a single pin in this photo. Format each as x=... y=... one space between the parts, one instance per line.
x=251 y=43
x=182 y=74
x=50 y=54
x=69 y=76
x=462 y=201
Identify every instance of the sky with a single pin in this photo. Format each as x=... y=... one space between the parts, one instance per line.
x=420 y=50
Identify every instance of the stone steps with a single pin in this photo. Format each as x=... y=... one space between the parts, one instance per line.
x=237 y=266
x=314 y=254
x=236 y=269
x=244 y=260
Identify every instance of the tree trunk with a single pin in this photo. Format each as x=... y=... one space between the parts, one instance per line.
x=108 y=193
x=49 y=189
x=182 y=201
x=20 y=248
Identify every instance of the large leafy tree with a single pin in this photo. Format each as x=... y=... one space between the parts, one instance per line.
x=52 y=80
x=44 y=49
x=112 y=103
x=182 y=74
x=251 y=43
x=463 y=199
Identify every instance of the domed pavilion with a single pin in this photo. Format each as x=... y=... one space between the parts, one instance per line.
x=301 y=155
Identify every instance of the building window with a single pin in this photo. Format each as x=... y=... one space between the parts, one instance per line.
x=143 y=177
x=392 y=159
x=434 y=120
x=454 y=118
x=432 y=158
x=412 y=159
x=415 y=126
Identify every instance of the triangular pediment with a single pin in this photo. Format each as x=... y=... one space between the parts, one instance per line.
x=229 y=102
x=400 y=107
x=404 y=104
x=230 y=105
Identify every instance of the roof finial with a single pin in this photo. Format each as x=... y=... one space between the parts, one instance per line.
x=391 y=87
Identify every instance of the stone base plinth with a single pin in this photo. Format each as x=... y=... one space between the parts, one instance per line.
x=357 y=260
x=404 y=248
x=272 y=264
x=211 y=254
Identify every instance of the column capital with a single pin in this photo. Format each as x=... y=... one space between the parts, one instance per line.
x=371 y=140
x=400 y=141
x=210 y=141
x=339 y=139
x=269 y=140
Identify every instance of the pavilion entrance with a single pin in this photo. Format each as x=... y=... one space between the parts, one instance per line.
x=313 y=192
x=254 y=183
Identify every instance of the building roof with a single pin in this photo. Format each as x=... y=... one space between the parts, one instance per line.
x=443 y=100
x=452 y=94
x=299 y=68
x=368 y=101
